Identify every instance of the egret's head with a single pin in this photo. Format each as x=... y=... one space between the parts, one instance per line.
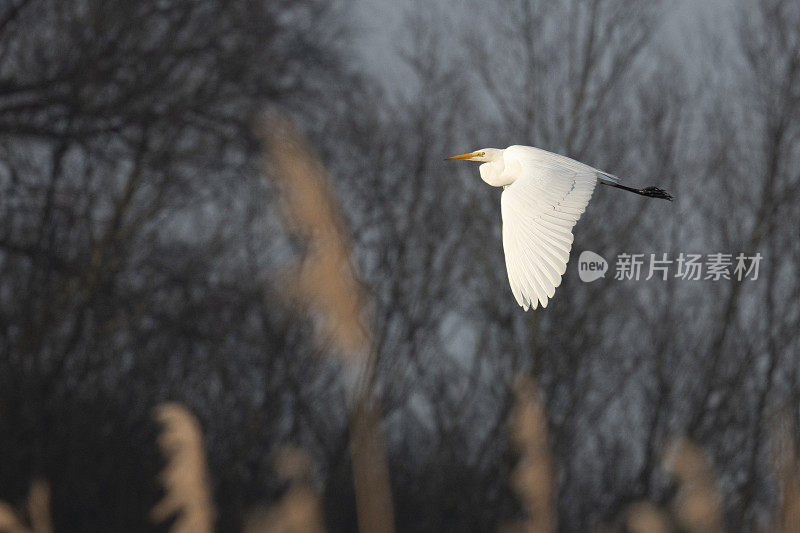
x=484 y=155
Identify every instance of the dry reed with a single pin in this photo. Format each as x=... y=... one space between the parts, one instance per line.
x=787 y=473
x=697 y=506
x=645 y=517
x=185 y=478
x=38 y=507
x=9 y=521
x=325 y=279
x=533 y=478
x=299 y=510
x=327 y=286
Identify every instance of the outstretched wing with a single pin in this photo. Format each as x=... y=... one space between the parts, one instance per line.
x=539 y=210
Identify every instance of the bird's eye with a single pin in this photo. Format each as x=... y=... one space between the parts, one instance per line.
x=481 y=154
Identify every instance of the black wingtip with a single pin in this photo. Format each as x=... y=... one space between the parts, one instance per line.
x=655 y=192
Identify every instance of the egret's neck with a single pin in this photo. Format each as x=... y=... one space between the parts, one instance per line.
x=495 y=173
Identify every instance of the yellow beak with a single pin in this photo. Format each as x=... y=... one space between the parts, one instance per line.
x=462 y=156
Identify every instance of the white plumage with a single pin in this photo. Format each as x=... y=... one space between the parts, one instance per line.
x=539 y=211
x=544 y=196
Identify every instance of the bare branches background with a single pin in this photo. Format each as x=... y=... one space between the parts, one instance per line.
x=144 y=258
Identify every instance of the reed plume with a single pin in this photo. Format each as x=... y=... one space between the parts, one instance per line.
x=327 y=286
x=324 y=279
x=9 y=521
x=299 y=510
x=697 y=506
x=185 y=477
x=38 y=507
x=644 y=517
x=533 y=478
x=787 y=472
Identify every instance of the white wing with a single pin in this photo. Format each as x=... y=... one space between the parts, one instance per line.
x=539 y=210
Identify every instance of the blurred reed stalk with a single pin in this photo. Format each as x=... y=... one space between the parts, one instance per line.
x=533 y=479
x=38 y=508
x=327 y=287
x=697 y=507
x=644 y=517
x=185 y=478
x=787 y=472
x=300 y=509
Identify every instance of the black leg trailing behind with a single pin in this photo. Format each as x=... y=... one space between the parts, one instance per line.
x=650 y=192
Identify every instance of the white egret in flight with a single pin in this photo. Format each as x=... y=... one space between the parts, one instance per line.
x=543 y=197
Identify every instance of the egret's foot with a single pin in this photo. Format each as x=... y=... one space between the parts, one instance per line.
x=655 y=192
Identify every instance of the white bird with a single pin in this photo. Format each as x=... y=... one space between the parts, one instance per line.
x=544 y=195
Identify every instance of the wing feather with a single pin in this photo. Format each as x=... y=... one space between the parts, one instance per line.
x=543 y=266
x=539 y=211
x=509 y=247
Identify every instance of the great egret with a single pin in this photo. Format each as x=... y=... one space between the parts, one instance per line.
x=543 y=197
